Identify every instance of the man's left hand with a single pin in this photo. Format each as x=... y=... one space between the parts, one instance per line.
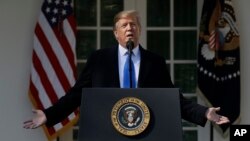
x=212 y=116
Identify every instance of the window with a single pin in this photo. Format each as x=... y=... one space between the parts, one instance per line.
x=172 y=33
x=94 y=20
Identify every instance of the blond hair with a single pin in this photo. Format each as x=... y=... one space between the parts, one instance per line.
x=126 y=14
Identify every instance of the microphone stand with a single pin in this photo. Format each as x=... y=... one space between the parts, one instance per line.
x=130 y=46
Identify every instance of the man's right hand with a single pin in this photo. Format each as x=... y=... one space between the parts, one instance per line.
x=38 y=120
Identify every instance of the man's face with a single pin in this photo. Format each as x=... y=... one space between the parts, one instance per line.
x=127 y=28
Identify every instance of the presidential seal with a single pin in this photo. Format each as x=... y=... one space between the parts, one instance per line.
x=130 y=116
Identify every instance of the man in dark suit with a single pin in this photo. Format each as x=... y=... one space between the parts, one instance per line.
x=104 y=68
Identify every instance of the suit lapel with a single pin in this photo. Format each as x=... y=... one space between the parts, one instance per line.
x=115 y=70
x=144 y=67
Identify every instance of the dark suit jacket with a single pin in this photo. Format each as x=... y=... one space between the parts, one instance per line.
x=101 y=70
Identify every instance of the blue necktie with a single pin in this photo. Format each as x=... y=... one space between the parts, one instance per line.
x=126 y=74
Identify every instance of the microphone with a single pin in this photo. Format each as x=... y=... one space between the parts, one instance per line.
x=130 y=45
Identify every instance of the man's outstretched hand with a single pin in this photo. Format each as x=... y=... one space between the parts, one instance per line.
x=38 y=120
x=212 y=116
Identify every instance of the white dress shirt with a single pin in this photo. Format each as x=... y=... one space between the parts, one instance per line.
x=136 y=58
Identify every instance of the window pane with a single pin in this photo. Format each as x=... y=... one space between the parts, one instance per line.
x=85 y=43
x=80 y=67
x=75 y=134
x=185 y=77
x=185 y=12
x=159 y=42
x=108 y=10
x=190 y=136
x=168 y=67
x=158 y=12
x=86 y=12
x=185 y=45
x=188 y=124
x=107 y=39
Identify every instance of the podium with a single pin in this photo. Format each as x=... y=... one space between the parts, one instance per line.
x=100 y=109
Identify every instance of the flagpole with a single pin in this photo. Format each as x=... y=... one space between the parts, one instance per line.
x=211 y=132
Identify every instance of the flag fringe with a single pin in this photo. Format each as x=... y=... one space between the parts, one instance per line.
x=65 y=128
x=59 y=132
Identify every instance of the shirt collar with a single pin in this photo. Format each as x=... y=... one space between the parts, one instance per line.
x=123 y=51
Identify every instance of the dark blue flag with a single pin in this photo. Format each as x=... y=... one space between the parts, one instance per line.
x=219 y=59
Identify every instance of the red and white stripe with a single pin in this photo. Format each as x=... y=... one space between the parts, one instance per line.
x=214 y=40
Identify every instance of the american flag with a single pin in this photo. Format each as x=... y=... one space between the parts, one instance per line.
x=53 y=69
